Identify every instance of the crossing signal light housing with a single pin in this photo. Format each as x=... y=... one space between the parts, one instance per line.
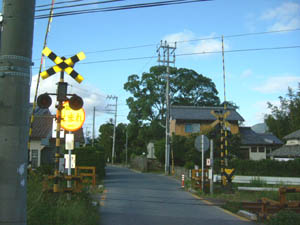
x=76 y=102
x=44 y=101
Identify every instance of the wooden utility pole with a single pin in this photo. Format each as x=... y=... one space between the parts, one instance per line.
x=15 y=72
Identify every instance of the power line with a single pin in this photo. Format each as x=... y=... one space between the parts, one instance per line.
x=56 y=3
x=192 y=40
x=79 y=5
x=118 y=8
x=195 y=53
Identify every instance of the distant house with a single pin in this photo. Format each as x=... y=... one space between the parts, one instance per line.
x=185 y=120
x=290 y=150
x=42 y=144
x=257 y=146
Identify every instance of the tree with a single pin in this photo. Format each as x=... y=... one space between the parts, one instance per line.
x=285 y=119
x=187 y=87
x=105 y=138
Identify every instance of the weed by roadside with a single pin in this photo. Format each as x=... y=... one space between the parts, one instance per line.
x=55 y=209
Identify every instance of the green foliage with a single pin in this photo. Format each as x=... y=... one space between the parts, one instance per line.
x=187 y=87
x=285 y=217
x=91 y=156
x=264 y=167
x=285 y=119
x=159 y=147
x=54 y=209
x=232 y=206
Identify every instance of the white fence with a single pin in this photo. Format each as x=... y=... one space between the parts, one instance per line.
x=268 y=180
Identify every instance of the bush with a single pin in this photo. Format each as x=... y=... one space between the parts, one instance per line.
x=91 y=156
x=285 y=217
x=265 y=167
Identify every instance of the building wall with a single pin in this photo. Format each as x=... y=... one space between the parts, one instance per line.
x=35 y=151
x=178 y=128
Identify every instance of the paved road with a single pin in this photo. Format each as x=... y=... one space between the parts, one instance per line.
x=149 y=199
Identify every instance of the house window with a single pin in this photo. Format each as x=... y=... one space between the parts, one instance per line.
x=192 y=127
x=253 y=149
x=34 y=158
x=261 y=149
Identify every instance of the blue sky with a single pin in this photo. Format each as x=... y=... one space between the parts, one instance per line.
x=252 y=77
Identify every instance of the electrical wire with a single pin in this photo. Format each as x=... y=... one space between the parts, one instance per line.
x=79 y=5
x=191 y=40
x=189 y=54
x=57 y=3
x=195 y=53
x=118 y=8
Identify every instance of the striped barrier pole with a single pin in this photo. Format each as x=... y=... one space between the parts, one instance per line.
x=182 y=181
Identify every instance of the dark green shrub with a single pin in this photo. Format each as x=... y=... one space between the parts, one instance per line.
x=285 y=217
x=91 y=156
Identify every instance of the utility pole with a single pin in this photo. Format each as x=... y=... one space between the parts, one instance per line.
x=165 y=48
x=126 y=147
x=93 y=140
x=113 y=154
x=15 y=72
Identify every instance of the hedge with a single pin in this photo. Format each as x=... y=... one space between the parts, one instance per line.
x=91 y=156
x=265 y=167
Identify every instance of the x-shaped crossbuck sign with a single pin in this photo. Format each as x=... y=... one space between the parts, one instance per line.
x=219 y=118
x=62 y=65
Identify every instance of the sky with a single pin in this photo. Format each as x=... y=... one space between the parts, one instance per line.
x=253 y=78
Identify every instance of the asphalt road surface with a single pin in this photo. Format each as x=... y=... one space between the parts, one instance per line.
x=134 y=198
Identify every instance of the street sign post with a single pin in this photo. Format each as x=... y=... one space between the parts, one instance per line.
x=73 y=161
x=198 y=143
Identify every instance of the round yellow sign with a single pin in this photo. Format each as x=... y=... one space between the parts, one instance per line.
x=71 y=120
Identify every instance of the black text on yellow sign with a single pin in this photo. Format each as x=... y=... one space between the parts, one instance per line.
x=62 y=65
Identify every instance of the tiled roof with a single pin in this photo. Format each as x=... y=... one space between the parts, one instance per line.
x=294 y=135
x=287 y=151
x=249 y=137
x=42 y=126
x=201 y=113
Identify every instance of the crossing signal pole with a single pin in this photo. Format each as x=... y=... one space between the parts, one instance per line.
x=165 y=49
x=75 y=102
x=15 y=72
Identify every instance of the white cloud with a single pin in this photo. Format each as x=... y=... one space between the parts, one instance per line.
x=246 y=73
x=286 y=16
x=185 y=46
x=278 y=84
x=91 y=95
x=260 y=109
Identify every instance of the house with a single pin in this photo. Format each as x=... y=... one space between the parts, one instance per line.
x=185 y=120
x=290 y=150
x=42 y=143
x=257 y=146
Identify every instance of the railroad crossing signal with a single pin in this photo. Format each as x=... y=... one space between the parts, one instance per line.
x=220 y=118
x=62 y=64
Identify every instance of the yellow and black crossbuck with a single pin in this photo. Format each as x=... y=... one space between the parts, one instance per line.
x=62 y=65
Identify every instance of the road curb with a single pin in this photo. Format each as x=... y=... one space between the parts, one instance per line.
x=247 y=215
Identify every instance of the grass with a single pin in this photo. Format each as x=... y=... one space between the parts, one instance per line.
x=54 y=209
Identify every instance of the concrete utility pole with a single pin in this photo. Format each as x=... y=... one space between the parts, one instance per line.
x=93 y=140
x=126 y=147
x=165 y=47
x=15 y=72
x=113 y=154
